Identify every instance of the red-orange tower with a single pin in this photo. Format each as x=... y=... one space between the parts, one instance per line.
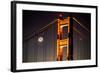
x=61 y=43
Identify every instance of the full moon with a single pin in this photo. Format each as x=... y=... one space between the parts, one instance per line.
x=40 y=39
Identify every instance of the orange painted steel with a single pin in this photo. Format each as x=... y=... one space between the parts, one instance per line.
x=61 y=43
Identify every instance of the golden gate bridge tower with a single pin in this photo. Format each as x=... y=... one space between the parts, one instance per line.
x=61 y=46
x=62 y=42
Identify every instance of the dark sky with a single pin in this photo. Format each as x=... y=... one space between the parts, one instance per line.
x=37 y=19
x=33 y=51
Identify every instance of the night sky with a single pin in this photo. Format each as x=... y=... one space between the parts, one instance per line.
x=35 y=51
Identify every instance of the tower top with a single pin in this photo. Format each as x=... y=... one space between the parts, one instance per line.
x=61 y=16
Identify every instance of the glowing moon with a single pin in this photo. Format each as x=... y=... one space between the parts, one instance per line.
x=40 y=39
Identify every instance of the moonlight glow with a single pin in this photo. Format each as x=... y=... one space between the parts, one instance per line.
x=40 y=39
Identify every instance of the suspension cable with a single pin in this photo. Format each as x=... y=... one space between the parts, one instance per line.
x=80 y=24
x=42 y=29
x=78 y=32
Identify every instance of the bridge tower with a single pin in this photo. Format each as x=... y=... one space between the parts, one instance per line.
x=68 y=42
